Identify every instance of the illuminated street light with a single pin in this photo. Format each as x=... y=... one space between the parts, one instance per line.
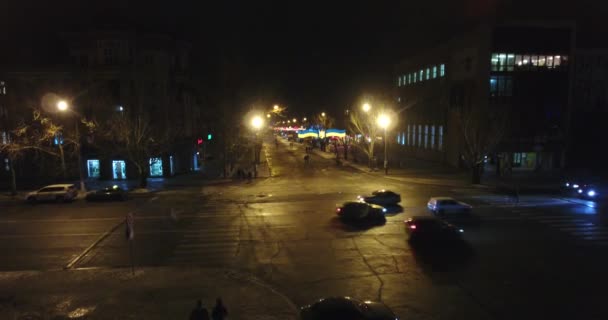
x=257 y=122
x=276 y=107
x=288 y=121
x=294 y=120
x=268 y=115
x=304 y=119
x=384 y=121
x=322 y=114
x=62 y=105
x=366 y=107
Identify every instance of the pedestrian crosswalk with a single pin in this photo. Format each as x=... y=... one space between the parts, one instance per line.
x=555 y=213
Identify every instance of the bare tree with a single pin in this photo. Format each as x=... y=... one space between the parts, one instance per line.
x=32 y=136
x=324 y=121
x=365 y=125
x=482 y=129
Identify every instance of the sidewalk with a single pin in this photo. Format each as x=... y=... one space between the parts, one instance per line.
x=430 y=173
x=152 y=293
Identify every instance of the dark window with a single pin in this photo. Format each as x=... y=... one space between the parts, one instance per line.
x=501 y=86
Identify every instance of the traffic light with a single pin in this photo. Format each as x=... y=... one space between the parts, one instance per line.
x=199 y=141
x=209 y=136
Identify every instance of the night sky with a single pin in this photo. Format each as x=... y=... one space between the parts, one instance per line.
x=306 y=55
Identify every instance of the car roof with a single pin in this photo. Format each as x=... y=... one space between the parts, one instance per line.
x=59 y=185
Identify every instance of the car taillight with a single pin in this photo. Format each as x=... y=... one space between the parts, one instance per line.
x=413 y=226
x=338 y=210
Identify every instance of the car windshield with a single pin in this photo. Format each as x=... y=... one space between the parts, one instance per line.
x=271 y=153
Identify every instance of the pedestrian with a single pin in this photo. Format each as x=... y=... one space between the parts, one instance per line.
x=219 y=311
x=249 y=176
x=199 y=312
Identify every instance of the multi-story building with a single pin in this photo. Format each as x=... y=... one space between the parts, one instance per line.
x=521 y=69
x=108 y=72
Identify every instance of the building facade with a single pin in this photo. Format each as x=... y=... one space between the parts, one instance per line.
x=522 y=71
x=106 y=73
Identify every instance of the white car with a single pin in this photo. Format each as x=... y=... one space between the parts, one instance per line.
x=54 y=192
x=442 y=206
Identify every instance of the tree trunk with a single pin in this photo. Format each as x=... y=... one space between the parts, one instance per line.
x=143 y=177
x=13 y=180
x=476 y=173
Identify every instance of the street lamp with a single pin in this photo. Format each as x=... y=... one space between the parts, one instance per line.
x=322 y=114
x=384 y=121
x=276 y=107
x=366 y=107
x=304 y=119
x=268 y=115
x=295 y=120
x=257 y=123
x=63 y=106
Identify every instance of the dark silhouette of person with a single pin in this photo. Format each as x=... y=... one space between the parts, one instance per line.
x=199 y=312
x=219 y=311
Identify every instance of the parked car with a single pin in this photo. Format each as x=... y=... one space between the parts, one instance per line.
x=427 y=228
x=54 y=192
x=443 y=206
x=382 y=197
x=361 y=212
x=346 y=308
x=108 y=194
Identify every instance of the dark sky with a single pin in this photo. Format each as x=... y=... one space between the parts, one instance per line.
x=304 y=54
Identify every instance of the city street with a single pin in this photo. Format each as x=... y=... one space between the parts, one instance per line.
x=283 y=231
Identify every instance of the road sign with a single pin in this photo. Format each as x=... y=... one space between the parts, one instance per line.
x=130 y=234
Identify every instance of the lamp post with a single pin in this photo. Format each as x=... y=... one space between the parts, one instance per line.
x=384 y=121
x=366 y=107
x=256 y=123
x=63 y=106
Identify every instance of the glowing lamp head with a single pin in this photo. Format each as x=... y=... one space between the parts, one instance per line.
x=591 y=193
x=257 y=122
x=62 y=105
x=366 y=107
x=384 y=121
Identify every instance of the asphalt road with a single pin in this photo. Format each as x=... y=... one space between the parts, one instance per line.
x=542 y=258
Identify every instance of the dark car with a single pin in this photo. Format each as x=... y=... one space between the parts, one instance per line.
x=361 y=212
x=431 y=229
x=582 y=190
x=382 y=197
x=114 y=193
x=346 y=308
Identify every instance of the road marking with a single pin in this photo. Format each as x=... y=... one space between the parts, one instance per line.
x=60 y=220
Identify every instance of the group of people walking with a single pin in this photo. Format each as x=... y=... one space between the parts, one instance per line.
x=219 y=311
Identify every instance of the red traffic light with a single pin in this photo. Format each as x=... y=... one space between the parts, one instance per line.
x=199 y=141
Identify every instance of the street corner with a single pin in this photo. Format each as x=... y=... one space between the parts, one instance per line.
x=142 y=293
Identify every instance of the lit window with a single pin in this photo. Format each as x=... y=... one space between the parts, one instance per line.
x=421 y=76
x=440 y=142
x=541 y=61
x=493 y=85
x=428 y=73
x=557 y=61
x=434 y=72
x=433 y=137
x=442 y=70
x=2 y=88
x=414 y=135
x=510 y=61
x=502 y=62
x=409 y=78
x=518 y=60
x=4 y=137
x=419 y=135
x=404 y=79
x=93 y=168
x=408 y=140
x=399 y=82
x=426 y=136
x=534 y=61
x=526 y=60
x=156 y=167
x=403 y=138
x=494 y=61
x=549 y=62
x=58 y=139
x=415 y=77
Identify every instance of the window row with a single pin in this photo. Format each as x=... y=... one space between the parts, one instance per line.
x=422 y=75
x=501 y=86
x=513 y=62
x=422 y=136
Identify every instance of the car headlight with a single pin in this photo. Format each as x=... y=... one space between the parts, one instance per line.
x=575 y=186
x=383 y=209
x=460 y=230
x=580 y=190
x=591 y=193
x=567 y=184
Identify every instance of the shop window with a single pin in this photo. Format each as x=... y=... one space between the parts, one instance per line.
x=415 y=77
x=557 y=61
x=421 y=75
x=119 y=169
x=409 y=137
x=549 y=62
x=156 y=167
x=426 y=136
x=442 y=70
x=541 y=61
x=534 y=61
x=419 y=135
x=413 y=135
x=519 y=60
x=399 y=82
x=428 y=73
x=93 y=168
x=434 y=72
x=433 y=137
